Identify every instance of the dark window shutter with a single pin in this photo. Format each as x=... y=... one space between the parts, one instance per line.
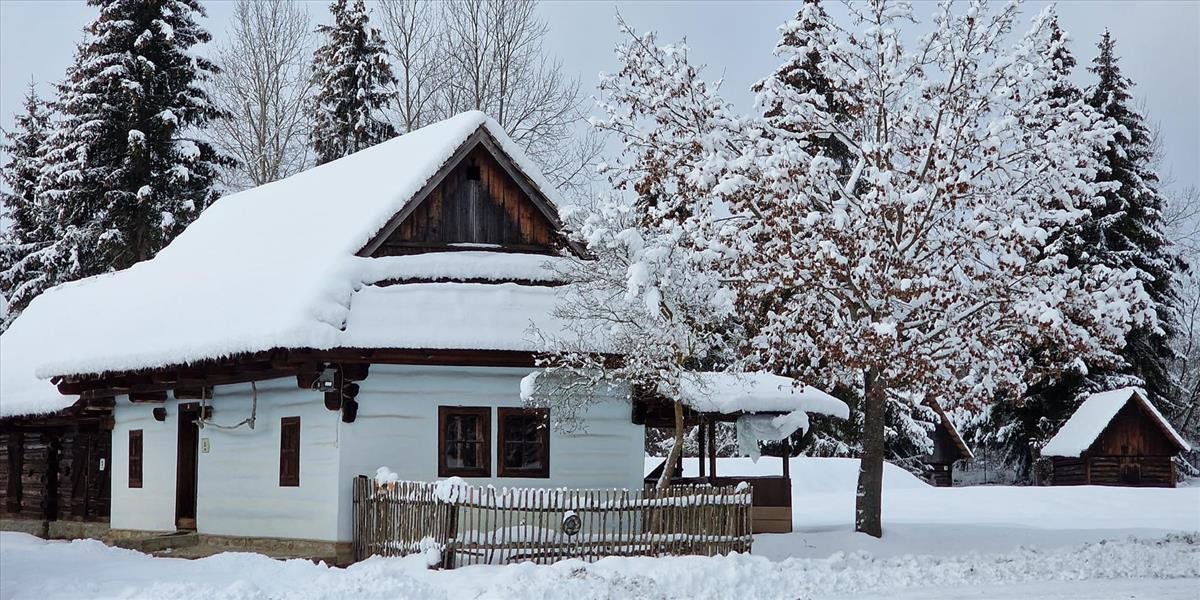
x=289 y=451
x=135 y=458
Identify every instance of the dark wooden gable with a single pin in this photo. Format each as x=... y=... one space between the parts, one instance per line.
x=479 y=197
x=945 y=448
x=1133 y=431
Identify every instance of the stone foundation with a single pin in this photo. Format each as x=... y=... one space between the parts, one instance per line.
x=338 y=553
x=30 y=526
x=56 y=530
x=75 y=530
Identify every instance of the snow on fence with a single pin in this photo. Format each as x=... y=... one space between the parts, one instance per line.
x=459 y=524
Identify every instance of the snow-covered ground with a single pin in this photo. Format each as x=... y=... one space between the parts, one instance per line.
x=921 y=519
x=999 y=543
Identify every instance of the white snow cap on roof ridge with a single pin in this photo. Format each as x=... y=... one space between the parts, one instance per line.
x=269 y=267
x=1093 y=416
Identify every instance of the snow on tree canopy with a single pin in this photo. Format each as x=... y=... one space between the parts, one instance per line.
x=276 y=267
x=1093 y=416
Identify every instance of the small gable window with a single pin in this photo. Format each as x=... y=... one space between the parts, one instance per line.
x=524 y=442
x=464 y=441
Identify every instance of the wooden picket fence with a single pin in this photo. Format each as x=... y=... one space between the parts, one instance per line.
x=461 y=525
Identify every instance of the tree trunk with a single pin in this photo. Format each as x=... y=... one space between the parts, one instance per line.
x=869 y=502
x=668 y=473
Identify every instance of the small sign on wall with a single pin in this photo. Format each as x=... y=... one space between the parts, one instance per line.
x=204 y=445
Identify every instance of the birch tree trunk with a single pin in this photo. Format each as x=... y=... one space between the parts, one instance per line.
x=668 y=473
x=869 y=501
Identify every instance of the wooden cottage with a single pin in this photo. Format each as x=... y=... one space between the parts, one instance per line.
x=948 y=448
x=1115 y=438
x=372 y=311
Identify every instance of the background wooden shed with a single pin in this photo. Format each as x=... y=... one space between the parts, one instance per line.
x=1115 y=438
x=948 y=448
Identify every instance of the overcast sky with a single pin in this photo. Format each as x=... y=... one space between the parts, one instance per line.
x=1158 y=43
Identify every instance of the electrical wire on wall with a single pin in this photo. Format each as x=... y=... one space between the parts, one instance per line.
x=203 y=421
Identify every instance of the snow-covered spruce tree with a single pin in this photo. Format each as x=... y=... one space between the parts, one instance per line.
x=124 y=171
x=1124 y=231
x=1127 y=230
x=1017 y=425
x=26 y=232
x=354 y=83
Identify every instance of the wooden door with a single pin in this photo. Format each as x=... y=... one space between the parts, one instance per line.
x=185 y=466
x=1131 y=471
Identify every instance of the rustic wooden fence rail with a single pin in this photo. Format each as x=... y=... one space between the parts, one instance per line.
x=462 y=525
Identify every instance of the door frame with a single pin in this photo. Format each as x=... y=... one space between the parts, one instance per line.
x=186 y=465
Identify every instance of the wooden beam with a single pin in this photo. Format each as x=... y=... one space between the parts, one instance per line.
x=155 y=396
x=712 y=449
x=522 y=282
x=201 y=392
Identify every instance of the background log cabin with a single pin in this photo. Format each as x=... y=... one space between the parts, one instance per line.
x=1115 y=438
x=948 y=448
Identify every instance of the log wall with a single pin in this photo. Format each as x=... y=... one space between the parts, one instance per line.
x=54 y=473
x=1133 y=450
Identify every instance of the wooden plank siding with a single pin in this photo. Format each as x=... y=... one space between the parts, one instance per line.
x=1132 y=450
x=477 y=202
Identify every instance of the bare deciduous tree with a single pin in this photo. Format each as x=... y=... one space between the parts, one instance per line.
x=263 y=86
x=487 y=55
x=411 y=27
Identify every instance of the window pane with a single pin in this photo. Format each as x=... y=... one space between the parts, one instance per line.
x=464 y=437
x=462 y=428
x=470 y=454
x=525 y=438
x=523 y=455
x=533 y=456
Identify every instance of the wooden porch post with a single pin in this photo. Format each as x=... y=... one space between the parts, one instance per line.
x=700 y=434
x=712 y=449
x=787 y=457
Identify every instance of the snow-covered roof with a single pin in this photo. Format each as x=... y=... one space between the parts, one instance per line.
x=464 y=265
x=272 y=267
x=1093 y=416
x=950 y=428
x=729 y=393
x=466 y=316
